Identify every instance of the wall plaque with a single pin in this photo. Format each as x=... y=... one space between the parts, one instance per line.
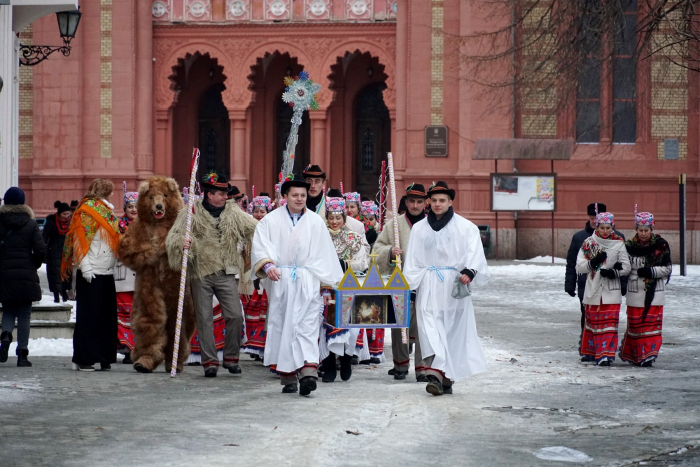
x=436 y=141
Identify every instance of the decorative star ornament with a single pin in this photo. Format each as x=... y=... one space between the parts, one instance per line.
x=300 y=92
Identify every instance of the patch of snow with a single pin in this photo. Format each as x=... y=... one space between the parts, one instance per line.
x=47 y=300
x=43 y=347
x=680 y=451
x=542 y=259
x=562 y=454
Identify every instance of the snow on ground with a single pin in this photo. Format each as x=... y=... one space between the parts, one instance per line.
x=47 y=300
x=542 y=259
x=43 y=347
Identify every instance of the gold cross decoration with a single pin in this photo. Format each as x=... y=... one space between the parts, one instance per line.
x=373 y=256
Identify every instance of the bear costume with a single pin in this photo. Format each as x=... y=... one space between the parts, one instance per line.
x=157 y=286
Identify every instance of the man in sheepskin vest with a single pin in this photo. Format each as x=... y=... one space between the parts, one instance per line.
x=386 y=253
x=219 y=249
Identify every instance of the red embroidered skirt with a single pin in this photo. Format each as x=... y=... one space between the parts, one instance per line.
x=375 y=338
x=125 y=302
x=642 y=340
x=255 y=312
x=219 y=333
x=599 y=338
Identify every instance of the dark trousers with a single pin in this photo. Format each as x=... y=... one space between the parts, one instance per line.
x=20 y=311
x=95 y=335
x=583 y=314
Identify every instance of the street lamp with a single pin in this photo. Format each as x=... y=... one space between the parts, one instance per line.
x=67 y=25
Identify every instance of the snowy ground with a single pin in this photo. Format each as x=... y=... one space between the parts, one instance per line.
x=536 y=404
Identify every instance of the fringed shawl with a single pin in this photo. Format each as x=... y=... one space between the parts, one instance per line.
x=92 y=215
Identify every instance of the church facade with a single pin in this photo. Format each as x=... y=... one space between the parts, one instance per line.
x=149 y=80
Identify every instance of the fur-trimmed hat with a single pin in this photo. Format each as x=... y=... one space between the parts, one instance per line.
x=416 y=190
x=441 y=188
x=311 y=171
x=214 y=181
x=293 y=180
x=592 y=208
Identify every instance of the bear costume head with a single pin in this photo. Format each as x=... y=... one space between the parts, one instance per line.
x=159 y=200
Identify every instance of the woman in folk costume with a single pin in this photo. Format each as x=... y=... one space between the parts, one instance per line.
x=604 y=260
x=125 y=282
x=91 y=247
x=373 y=339
x=650 y=259
x=255 y=308
x=54 y=234
x=370 y=213
x=352 y=253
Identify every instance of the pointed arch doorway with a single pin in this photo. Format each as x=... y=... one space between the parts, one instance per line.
x=372 y=138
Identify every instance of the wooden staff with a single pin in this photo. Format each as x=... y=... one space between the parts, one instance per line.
x=185 y=257
x=395 y=212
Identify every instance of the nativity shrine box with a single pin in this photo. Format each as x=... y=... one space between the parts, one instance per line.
x=372 y=302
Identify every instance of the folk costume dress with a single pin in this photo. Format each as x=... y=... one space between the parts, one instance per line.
x=255 y=307
x=91 y=246
x=439 y=251
x=651 y=270
x=602 y=296
x=351 y=250
x=371 y=340
x=124 y=283
x=306 y=260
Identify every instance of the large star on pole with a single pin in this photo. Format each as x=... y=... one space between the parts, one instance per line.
x=300 y=92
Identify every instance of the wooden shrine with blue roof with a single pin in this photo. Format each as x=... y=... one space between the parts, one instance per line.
x=371 y=302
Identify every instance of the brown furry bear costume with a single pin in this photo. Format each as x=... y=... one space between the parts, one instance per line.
x=157 y=285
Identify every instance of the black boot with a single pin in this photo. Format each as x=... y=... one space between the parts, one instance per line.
x=329 y=369
x=64 y=296
x=5 y=341
x=56 y=297
x=22 y=358
x=434 y=386
x=345 y=367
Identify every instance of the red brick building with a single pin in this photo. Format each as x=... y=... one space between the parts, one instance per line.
x=148 y=80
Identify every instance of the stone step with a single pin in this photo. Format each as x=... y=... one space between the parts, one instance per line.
x=48 y=330
x=62 y=316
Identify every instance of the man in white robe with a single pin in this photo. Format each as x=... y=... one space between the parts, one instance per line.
x=445 y=247
x=292 y=248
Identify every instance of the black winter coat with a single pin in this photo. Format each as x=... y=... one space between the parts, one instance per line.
x=572 y=279
x=54 y=253
x=22 y=252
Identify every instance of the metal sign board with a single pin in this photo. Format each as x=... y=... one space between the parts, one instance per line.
x=436 y=141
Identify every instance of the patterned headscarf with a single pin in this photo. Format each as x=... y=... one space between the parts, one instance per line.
x=643 y=219
x=261 y=202
x=352 y=198
x=130 y=196
x=369 y=208
x=335 y=205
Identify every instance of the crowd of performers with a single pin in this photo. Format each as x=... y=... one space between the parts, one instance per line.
x=262 y=274
x=605 y=268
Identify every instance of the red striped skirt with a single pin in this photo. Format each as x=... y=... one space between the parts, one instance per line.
x=642 y=340
x=125 y=302
x=375 y=338
x=599 y=338
x=255 y=312
x=219 y=332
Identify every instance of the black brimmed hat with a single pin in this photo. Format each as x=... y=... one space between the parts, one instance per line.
x=441 y=188
x=235 y=193
x=74 y=205
x=293 y=180
x=416 y=190
x=601 y=208
x=334 y=193
x=311 y=171
x=214 y=181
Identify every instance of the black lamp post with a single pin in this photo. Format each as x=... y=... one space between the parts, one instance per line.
x=67 y=25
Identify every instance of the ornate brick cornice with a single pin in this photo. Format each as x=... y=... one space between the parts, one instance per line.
x=237 y=49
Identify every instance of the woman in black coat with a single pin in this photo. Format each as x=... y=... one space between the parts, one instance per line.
x=54 y=234
x=22 y=251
